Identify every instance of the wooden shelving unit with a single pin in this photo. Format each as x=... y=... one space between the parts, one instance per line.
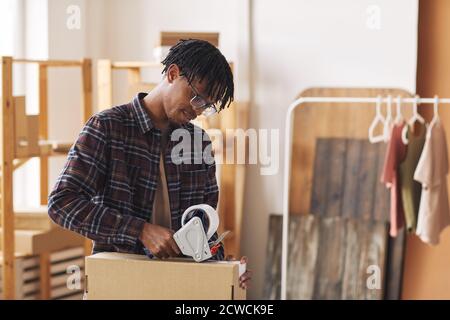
x=23 y=137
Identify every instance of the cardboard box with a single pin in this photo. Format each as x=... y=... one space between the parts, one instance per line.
x=127 y=276
x=62 y=263
x=33 y=218
x=33 y=242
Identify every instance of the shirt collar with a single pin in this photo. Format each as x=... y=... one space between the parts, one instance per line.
x=143 y=119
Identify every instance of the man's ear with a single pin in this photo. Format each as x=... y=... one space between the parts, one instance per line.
x=173 y=72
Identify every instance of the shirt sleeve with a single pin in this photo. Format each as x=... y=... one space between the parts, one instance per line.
x=70 y=203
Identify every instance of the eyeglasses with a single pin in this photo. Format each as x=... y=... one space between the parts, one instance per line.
x=200 y=103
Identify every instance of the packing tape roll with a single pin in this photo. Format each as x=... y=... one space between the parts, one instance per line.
x=210 y=212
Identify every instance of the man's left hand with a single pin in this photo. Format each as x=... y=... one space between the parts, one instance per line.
x=245 y=278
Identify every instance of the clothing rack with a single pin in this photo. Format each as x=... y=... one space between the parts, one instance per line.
x=288 y=155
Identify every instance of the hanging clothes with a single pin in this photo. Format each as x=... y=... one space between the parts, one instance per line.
x=431 y=172
x=395 y=154
x=411 y=189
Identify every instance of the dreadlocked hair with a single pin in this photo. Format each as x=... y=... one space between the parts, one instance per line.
x=199 y=59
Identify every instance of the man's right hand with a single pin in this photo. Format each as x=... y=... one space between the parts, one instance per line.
x=159 y=241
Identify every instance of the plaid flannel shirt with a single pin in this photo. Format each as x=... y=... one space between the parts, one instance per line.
x=106 y=189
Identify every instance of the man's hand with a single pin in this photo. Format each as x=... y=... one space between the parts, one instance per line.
x=244 y=279
x=159 y=241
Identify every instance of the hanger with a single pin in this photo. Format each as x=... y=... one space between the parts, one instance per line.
x=399 y=118
x=378 y=118
x=416 y=117
x=389 y=121
x=435 y=111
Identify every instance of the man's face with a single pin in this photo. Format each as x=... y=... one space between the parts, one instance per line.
x=177 y=101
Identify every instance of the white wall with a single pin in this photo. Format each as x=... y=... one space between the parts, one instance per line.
x=133 y=29
x=301 y=44
x=33 y=17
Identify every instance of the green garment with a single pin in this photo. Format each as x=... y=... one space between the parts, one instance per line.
x=411 y=189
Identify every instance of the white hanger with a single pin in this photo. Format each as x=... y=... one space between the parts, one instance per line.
x=399 y=118
x=389 y=121
x=435 y=111
x=378 y=118
x=416 y=117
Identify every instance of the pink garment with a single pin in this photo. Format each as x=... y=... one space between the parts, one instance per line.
x=395 y=154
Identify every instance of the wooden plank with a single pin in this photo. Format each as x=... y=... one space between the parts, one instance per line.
x=44 y=275
x=20 y=128
x=104 y=84
x=17 y=163
x=33 y=135
x=32 y=274
x=61 y=280
x=6 y=179
x=32 y=219
x=63 y=291
x=320 y=180
x=272 y=283
x=19 y=273
x=331 y=253
x=365 y=247
x=367 y=181
x=51 y=63
x=72 y=253
x=350 y=281
x=134 y=78
x=134 y=64
x=87 y=110
x=87 y=247
x=376 y=249
x=86 y=71
x=329 y=257
x=135 y=83
x=28 y=284
x=171 y=38
x=62 y=267
x=337 y=163
x=75 y=296
x=43 y=131
x=351 y=189
x=303 y=255
x=31 y=262
x=350 y=184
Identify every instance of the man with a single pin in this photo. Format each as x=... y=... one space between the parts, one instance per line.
x=120 y=186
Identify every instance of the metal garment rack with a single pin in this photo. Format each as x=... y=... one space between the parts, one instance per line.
x=288 y=154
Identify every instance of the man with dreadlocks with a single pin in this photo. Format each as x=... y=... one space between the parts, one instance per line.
x=120 y=186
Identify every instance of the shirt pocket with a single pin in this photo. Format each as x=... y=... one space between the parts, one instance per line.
x=192 y=185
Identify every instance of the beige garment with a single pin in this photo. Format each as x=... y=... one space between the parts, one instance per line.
x=161 y=205
x=431 y=172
